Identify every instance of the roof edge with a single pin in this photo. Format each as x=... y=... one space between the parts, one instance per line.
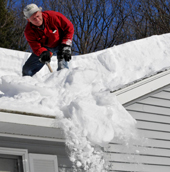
x=19 y=118
x=26 y=113
x=143 y=87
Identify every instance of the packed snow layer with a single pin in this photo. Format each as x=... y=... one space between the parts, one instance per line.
x=79 y=97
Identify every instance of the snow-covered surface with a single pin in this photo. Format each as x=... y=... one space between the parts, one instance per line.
x=80 y=97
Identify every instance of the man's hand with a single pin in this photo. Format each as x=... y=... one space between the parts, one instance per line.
x=45 y=56
x=65 y=52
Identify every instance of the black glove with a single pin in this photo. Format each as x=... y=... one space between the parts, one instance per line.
x=64 y=52
x=45 y=56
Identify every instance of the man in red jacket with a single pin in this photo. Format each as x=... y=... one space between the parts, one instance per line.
x=47 y=33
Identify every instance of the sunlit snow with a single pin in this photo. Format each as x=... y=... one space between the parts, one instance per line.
x=79 y=97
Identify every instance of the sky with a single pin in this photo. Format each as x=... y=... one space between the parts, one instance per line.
x=80 y=98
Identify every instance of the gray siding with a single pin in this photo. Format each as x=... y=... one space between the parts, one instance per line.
x=152 y=153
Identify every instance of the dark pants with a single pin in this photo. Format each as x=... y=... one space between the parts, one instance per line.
x=32 y=65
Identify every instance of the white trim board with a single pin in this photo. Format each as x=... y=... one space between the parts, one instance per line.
x=143 y=87
x=24 y=131
x=25 y=119
x=31 y=137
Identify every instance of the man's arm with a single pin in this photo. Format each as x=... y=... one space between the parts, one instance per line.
x=66 y=26
x=34 y=44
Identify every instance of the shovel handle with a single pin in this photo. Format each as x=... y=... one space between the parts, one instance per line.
x=49 y=66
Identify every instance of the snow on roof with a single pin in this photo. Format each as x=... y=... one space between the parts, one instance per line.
x=79 y=97
x=141 y=79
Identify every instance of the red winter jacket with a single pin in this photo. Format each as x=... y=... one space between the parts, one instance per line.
x=57 y=29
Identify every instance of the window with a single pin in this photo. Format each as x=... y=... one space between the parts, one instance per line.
x=13 y=160
x=16 y=160
x=10 y=163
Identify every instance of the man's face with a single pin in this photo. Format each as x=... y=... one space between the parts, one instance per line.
x=36 y=19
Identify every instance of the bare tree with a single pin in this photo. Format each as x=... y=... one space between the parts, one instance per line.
x=97 y=23
x=159 y=15
x=149 y=17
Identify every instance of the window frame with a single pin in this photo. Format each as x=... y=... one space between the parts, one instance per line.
x=18 y=152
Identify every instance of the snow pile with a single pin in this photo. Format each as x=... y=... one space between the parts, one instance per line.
x=93 y=121
x=79 y=97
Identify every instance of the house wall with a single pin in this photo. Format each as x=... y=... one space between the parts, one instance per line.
x=40 y=147
x=152 y=151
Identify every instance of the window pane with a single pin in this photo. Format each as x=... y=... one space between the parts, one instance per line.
x=9 y=163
